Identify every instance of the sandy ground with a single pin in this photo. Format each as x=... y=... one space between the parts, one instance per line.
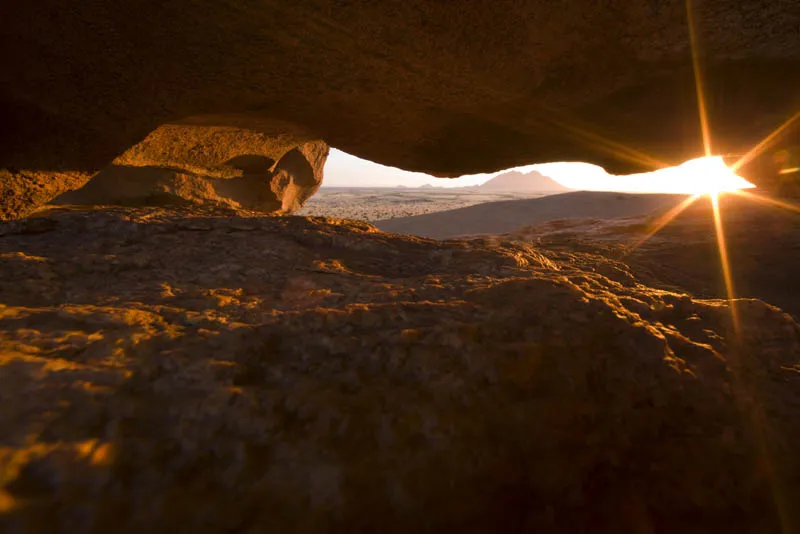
x=373 y=204
x=507 y=216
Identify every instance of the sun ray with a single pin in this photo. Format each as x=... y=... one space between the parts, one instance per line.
x=724 y=260
x=698 y=80
x=754 y=410
x=664 y=220
x=768 y=201
x=764 y=143
x=610 y=146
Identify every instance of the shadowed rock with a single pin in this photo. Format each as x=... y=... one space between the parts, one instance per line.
x=205 y=370
x=762 y=243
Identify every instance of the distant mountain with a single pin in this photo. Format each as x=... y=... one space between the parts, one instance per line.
x=516 y=181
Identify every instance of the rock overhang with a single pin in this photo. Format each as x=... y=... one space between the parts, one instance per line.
x=423 y=86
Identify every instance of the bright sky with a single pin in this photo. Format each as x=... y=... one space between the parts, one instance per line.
x=696 y=176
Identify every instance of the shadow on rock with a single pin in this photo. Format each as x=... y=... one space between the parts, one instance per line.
x=208 y=371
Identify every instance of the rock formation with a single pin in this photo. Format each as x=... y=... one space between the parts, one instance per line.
x=201 y=370
x=761 y=238
x=417 y=84
x=210 y=165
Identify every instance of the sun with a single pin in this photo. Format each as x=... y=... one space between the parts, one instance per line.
x=708 y=176
x=701 y=177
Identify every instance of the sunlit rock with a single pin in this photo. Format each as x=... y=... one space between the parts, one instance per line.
x=180 y=165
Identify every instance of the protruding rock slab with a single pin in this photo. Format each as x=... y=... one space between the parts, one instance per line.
x=180 y=165
x=195 y=370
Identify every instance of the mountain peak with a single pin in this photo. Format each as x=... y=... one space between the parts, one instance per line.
x=533 y=181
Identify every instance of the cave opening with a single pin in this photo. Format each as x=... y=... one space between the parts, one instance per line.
x=695 y=176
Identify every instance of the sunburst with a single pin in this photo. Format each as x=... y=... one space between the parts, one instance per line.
x=772 y=202
x=710 y=180
x=708 y=176
x=713 y=191
x=698 y=80
x=754 y=412
x=724 y=260
x=706 y=186
x=664 y=220
x=606 y=145
x=765 y=143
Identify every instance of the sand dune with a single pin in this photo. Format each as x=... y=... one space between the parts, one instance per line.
x=507 y=216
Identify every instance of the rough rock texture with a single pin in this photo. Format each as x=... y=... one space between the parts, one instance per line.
x=418 y=84
x=23 y=192
x=762 y=239
x=213 y=371
x=210 y=165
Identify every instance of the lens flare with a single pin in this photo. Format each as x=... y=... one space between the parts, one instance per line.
x=698 y=80
x=753 y=410
x=764 y=143
x=709 y=182
x=664 y=220
x=701 y=176
x=724 y=260
x=606 y=145
x=773 y=202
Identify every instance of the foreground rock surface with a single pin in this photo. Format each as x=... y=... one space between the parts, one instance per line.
x=214 y=371
x=762 y=236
